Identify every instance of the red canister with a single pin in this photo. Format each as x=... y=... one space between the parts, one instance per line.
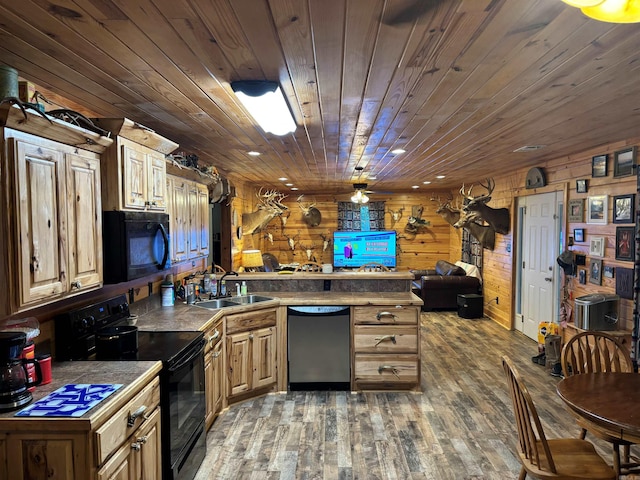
x=44 y=361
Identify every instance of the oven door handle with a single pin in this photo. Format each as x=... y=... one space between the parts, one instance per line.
x=197 y=351
x=165 y=238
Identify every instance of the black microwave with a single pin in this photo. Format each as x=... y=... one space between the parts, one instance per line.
x=135 y=244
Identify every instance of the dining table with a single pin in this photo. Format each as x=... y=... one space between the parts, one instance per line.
x=609 y=400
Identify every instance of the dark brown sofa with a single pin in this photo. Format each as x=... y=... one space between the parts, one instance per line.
x=439 y=287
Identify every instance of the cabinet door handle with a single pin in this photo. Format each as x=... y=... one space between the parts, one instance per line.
x=216 y=334
x=385 y=338
x=142 y=440
x=390 y=368
x=135 y=446
x=251 y=336
x=138 y=413
x=217 y=354
x=77 y=284
x=379 y=315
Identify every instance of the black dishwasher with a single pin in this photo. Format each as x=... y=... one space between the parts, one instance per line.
x=318 y=348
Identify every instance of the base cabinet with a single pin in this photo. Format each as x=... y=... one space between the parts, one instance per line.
x=386 y=348
x=213 y=373
x=251 y=352
x=125 y=445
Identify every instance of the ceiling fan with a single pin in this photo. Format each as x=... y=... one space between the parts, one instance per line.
x=411 y=11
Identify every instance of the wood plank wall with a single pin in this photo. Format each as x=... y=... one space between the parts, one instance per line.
x=440 y=241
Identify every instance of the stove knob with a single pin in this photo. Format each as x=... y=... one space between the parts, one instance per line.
x=91 y=321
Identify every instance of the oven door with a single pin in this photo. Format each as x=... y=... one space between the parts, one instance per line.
x=184 y=409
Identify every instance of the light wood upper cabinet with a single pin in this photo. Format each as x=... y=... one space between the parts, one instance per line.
x=188 y=208
x=85 y=221
x=134 y=169
x=57 y=248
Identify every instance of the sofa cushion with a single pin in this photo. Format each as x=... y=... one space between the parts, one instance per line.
x=445 y=268
x=420 y=273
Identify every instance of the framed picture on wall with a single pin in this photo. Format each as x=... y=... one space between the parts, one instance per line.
x=578 y=235
x=599 y=166
x=625 y=244
x=624 y=162
x=581 y=186
x=595 y=271
x=597 y=209
x=596 y=246
x=623 y=208
x=576 y=210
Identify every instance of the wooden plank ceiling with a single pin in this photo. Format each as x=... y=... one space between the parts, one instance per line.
x=459 y=84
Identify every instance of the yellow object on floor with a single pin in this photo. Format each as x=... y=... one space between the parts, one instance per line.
x=546 y=328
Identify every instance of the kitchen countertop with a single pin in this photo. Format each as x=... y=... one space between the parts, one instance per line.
x=151 y=316
x=131 y=374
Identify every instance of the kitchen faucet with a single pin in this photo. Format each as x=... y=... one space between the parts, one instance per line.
x=226 y=274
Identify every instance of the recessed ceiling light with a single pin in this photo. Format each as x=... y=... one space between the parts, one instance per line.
x=254 y=154
x=398 y=151
x=427 y=182
x=288 y=184
x=294 y=188
x=283 y=179
x=440 y=177
x=415 y=186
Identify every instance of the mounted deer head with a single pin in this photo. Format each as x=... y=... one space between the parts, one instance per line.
x=292 y=241
x=326 y=241
x=485 y=234
x=308 y=250
x=497 y=218
x=445 y=210
x=310 y=214
x=269 y=206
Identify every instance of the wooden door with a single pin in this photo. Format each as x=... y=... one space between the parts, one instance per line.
x=203 y=220
x=41 y=210
x=85 y=220
x=193 y=230
x=156 y=182
x=264 y=357
x=135 y=177
x=239 y=356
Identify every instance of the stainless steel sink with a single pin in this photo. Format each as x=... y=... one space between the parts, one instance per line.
x=216 y=303
x=247 y=299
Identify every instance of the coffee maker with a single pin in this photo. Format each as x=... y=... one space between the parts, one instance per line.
x=14 y=381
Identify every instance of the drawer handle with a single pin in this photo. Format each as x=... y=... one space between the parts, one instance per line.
x=216 y=334
x=385 y=338
x=134 y=416
x=379 y=315
x=142 y=440
x=135 y=447
x=388 y=368
x=77 y=284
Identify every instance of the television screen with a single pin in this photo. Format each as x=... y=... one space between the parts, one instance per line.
x=353 y=249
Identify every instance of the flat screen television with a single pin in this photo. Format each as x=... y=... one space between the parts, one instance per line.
x=353 y=249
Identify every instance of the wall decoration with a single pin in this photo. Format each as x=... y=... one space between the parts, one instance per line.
x=596 y=246
x=624 y=282
x=625 y=243
x=535 y=178
x=624 y=208
x=597 y=209
x=581 y=186
x=595 y=271
x=575 y=210
x=624 y=162
x=582 y=276
x=599 y=166
x=351 y=216
x=608 y=271
x=578 y=235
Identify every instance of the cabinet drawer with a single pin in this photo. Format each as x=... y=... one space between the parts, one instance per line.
x=385 y=339
x=387 y=369
x=386 y=315
x=117 y=429
x=241 y=322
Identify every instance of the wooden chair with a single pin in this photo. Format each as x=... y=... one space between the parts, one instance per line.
x=218 y=269
x=309 y=267
x=561 y=458
x=373 y=267
x=593 y=352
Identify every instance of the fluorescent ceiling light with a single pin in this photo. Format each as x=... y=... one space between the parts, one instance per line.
x=266 y=104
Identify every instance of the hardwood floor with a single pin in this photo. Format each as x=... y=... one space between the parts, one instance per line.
x=460 y=427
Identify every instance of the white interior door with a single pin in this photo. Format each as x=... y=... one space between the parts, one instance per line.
x=539 y=252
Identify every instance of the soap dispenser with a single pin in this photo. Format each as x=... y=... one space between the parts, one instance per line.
x=243 y=288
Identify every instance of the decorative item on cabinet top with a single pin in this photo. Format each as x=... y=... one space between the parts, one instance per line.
x=535 y=178
x=136 y=132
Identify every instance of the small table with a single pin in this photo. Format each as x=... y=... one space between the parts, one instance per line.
x=609 y=400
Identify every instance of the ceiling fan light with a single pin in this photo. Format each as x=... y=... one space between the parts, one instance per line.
x=266 y=104
x=615 y=11
x=583 y=3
